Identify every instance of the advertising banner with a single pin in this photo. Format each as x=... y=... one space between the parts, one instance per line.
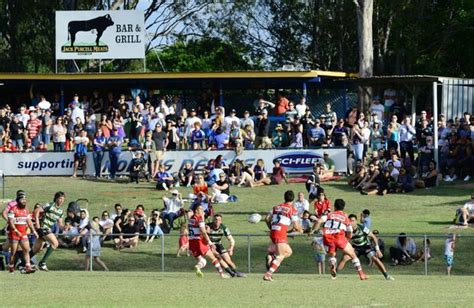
x=55 y=163
x=100 y=35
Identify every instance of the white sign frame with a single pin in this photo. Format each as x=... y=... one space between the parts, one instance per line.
x=100 y=35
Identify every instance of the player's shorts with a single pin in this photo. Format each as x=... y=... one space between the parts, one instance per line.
x=198 y=248
x=334 y=242
x=319 y=257
x=42 y=233
x=220 y=249
x=13 y=237
x=279 y=240
x=449 y=260
x=365 y=250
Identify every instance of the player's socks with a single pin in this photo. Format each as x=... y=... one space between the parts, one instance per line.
x=275 y=265
x=217 y=265
x=48 y=253
x=356 y=264
x=332 y=264
x=230 y=271
x=269 y=259
x=385 y=274
x=32 y=254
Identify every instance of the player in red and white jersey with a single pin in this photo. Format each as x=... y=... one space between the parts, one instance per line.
x=337 y=229
x=200 y=243
x=11 y=204
x=19 y=220
x=281 y=218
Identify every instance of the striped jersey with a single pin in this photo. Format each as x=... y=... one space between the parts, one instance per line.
x=51 y=215
x=360 y=236
x=216 y=234
x=194 y=227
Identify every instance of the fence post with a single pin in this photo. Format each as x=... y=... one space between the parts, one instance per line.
x=425 y=256
x=249 y=265
x=163 y=253
x=91 y=259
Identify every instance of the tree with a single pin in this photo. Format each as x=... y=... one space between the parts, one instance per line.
x=206 y=54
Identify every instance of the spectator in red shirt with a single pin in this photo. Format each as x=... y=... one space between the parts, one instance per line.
x=8 y=146
x=281 y=104
x=278 y=173
x=322 y=206
x=34 y=129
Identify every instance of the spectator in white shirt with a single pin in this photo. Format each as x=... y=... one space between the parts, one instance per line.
x=301 y=204
x=407 y=133
x=77 y=112
x=247 y=120
x=230 y=119
x=173 y=207
x=377 y=108
x=301 y=107
x=189 y=124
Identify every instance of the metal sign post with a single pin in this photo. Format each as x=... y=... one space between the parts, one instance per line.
x=2 y=182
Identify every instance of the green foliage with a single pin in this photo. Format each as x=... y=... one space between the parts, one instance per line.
x=206 y=54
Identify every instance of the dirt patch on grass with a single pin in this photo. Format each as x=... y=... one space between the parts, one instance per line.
x=466 y=185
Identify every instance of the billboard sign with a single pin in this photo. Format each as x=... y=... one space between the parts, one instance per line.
x=100 y=35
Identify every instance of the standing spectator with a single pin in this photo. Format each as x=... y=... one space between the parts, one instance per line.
x=296 y=135
x=17 y=131
x=197 y=137
x=105 y=125
x=357 y=142
x=376 y=137
x=94 y=246
x=34 y=129
x=173 y=208
x=301 y=107
x=449 y=246
x=260 y=104
x=229 y=121
x=59 y=135
x=136 y=125
x=330 y=117
x=90 y=127
x=281 y=105
x=393 y=135
x=279 y=137
x=407 y=134
x=115 y=148
x=98 y=149
x=189 y=123
x=46 y=126
x=376 y=108
x=24 y=116
x=77 y=112
x=221 y=138
x=119 y=123
x=161 y=142
x=248 y=135
x=291 y=114
x=80 y=153
x=398 y=109
x=263 y=126
x=339 y=132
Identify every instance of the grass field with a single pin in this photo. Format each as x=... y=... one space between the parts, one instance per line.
x=137 y=272
x=181 y=289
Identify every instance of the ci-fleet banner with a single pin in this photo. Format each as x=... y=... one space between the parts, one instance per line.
x=53 y=163
x=100 y=35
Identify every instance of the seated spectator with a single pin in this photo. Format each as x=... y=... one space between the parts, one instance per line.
x=278 y=174
x=137 y=167
x=173 y=209
x=186 y=175
x=365 y=219
x=322 y=206
x=259 y=174
x=240 y=174
x=404 y=251
x=140 y=219
x=279 y=137
x=465 y=215
x=70 y=236
x=328 y=166
x=404 y=182
x=358 y=177
x=200 y=185
x=301 y=204
x=214 y=174
x=369 y=181
x=384 y=182
x=164 y=180
x=429 y=178
x=153 y=228
x=119 y=223
x=306 y=222
x=106 y=224
x=117 y=211
x=203 y=200
x=221 y=189
x=130 y=234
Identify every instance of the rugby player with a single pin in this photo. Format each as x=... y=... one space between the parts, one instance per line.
x=11 y=205
x=337 y=229
x=18 y=223
x=216 y=230
x=45 y=218
x=364 y=243
x=199 y=243
x=282 y=216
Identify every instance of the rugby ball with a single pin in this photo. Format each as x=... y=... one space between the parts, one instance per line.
x=254 y=218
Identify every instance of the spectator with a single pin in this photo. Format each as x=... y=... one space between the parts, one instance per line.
x=117 y=211
x=369 y=182
x=377 y=109
x=46 y=125
x=161 y=142
x=164 y=180
x=260 y=104
x=34 y=128
x=429 y=177
x=197 y=137
x=357 y=142
x=330 y=117
x=322 y=206
x=259 y=174
x=106 y=126
x=129 y=234
x=80 y=153
x=186 y=175
x=281 y=105
x=263 y=126
x=240 y=174
x=221 y=139
x=380 y=242
x=339 y=132
x=236 y=137
x=393 y=136
x=153 y=228
x=231 y=120
x=465 y=215
x=248 y=136
x=404 y=182
x=136 y=119
x=173 y=208
x=449 y=246
x=106 y=224
x=301 y=204
x=404 y=251
x=76 y=111
x=296 y=135
x=98 y=149
x=365 y=219
x=17 y=131
x=115 y=148
x=301 y=107
x=316 y=134
x=291 y=114
x=278 y=174
x=279 y=137
x=200 y=185
x=183 y=243
x=221 y=189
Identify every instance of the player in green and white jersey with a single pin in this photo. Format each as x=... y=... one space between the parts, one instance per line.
x=216 y=231
x=45 y=218
x=365 y=243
